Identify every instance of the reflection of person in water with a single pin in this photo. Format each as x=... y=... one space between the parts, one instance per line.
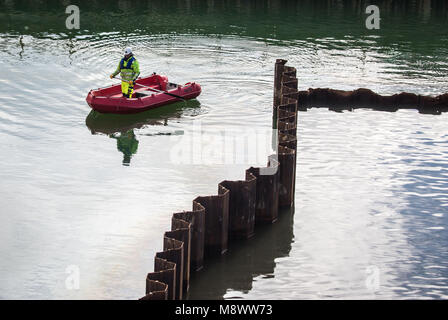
x=126 y=143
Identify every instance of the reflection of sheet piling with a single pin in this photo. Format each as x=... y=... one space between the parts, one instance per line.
x=238 y=207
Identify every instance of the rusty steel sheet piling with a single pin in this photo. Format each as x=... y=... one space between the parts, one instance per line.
x=288 y=104
x=156 y=290
x=287 y=140
x=181 y=231
x=216 y=221
x=288 y=71
x=165 y=272
x=173 y=251
x=286 y=159
x=242 y=199
x=238 y=207
x=278 y=72
x=289 y=93
x=197 y=220
x=366 y=98
x=286 y=115
x=242 y=205
x=266 y=207
x=289 y=88
x=285 y=126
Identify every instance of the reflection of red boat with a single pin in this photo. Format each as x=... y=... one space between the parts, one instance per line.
x=110 y=99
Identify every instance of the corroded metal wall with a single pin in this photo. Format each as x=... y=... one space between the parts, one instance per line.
x=238 y=207
x=216 y=221
x=242 y=201
x=156 y=290
x=364 y=98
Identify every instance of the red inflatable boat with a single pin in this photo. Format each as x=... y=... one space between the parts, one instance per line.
x=154 y=92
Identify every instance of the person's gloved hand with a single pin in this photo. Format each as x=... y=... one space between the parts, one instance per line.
x=111 y=76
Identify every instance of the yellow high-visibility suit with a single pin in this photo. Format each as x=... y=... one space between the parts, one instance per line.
x=129 y=70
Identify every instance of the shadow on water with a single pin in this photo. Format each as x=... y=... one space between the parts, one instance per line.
x=121 y=126
x=245 y=260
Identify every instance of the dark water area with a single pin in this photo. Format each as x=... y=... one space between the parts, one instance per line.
x=94 y=193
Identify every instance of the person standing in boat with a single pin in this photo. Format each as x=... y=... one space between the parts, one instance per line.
x=129 y=69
